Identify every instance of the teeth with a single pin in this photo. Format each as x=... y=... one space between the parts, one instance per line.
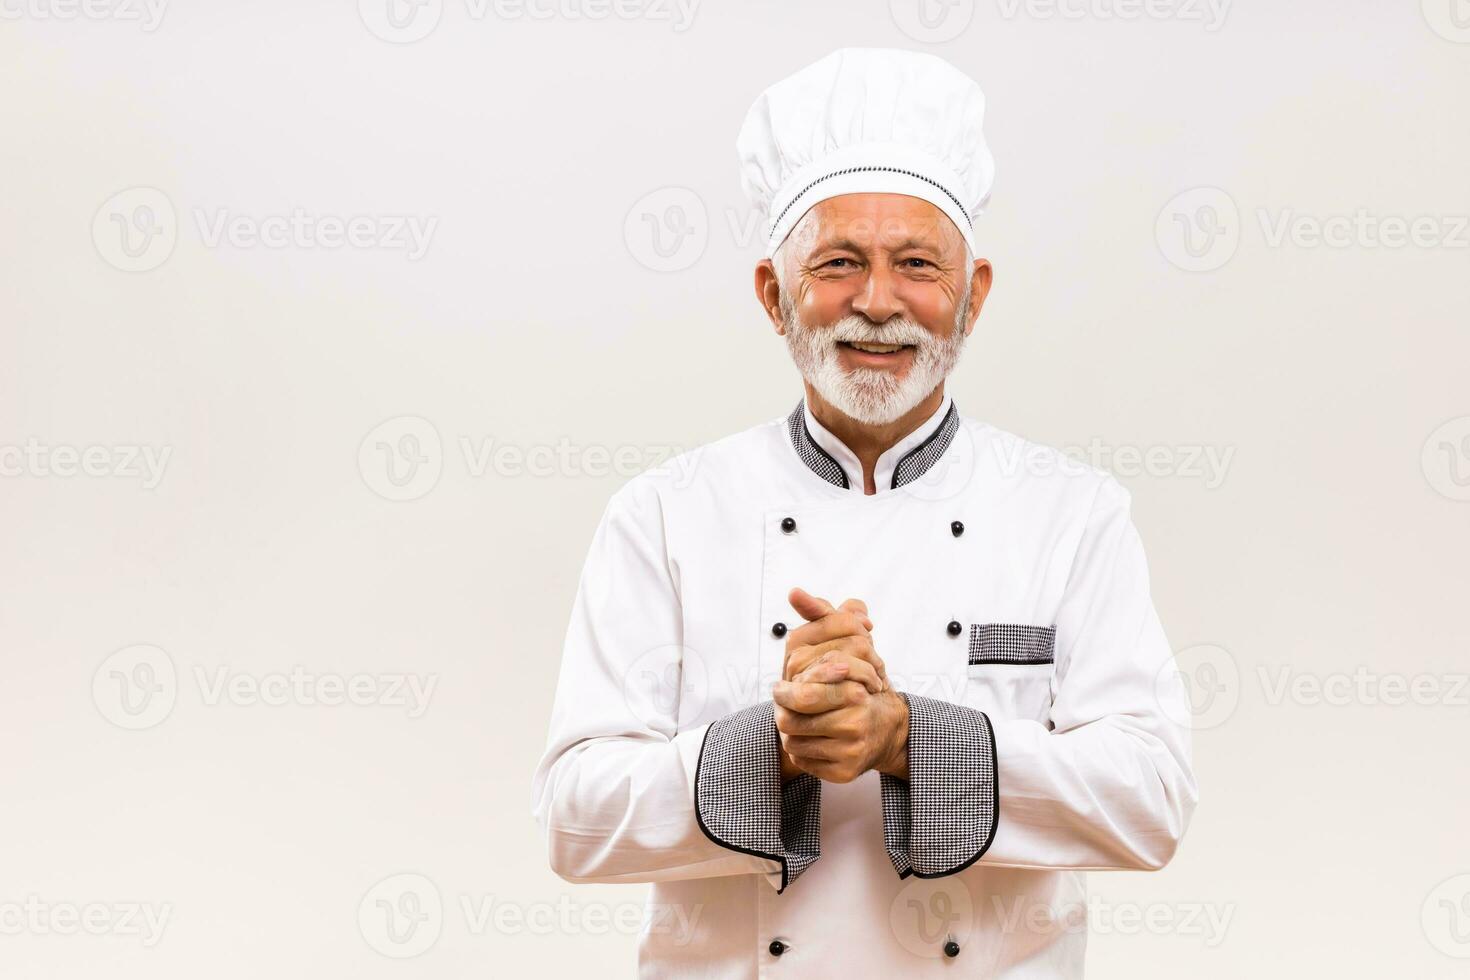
x=875 y=348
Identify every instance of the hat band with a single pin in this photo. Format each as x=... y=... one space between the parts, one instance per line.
x=856 y=170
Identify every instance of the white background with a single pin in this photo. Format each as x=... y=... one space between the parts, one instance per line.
x=546 y=317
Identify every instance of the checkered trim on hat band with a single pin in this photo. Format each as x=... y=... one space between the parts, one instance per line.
x=739 y=800
x=1003 y=643
x=870 y=169
x=915 y=463
x=943 y=818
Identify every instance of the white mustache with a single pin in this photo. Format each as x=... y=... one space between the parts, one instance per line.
x=862 y=330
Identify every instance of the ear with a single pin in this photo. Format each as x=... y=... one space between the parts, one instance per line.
x=768 y=293
x=980 y=278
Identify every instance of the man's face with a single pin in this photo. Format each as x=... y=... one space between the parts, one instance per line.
x=877 y=296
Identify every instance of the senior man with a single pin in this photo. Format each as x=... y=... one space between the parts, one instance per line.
x=867 y=695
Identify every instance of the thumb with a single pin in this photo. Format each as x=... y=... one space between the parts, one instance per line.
x=808 y=606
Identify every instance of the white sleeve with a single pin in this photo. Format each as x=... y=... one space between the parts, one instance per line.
x=615 y=791
x=1109 y=786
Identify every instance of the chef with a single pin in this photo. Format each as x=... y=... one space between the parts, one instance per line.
x=868 y=693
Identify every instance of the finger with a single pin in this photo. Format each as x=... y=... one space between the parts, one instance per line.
x=790 y=722
x=808 y=606
x=837 y=666
x=859 y=607
x=815 y=699
x=845 y=723
x=829 y=670
x=804 y=659
x=832 y=626
x=812 y=748
x=801 y=659
x=847 y=647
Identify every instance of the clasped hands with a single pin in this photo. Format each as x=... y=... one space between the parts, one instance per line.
x=837 y=715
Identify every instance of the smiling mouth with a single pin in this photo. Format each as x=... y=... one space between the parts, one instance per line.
x=873 y=348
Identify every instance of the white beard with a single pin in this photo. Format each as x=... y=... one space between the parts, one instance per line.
x=872 y=396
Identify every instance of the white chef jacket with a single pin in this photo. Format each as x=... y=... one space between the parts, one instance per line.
x=1009 y=597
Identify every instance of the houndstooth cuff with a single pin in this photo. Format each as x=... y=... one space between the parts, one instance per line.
x=740 y=802
x=942 y=818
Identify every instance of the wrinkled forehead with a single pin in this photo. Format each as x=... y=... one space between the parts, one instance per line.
x=873 y=223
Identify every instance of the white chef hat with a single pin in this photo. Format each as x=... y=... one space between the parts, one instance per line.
x=864 y=120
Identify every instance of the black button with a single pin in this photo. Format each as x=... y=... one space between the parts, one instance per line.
x=954 y=627
x=956 y=528
x=779 y=630
x=951 y=949
x=777 y=947
x=788 y=524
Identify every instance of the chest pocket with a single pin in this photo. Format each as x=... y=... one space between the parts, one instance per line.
x=1010 y=670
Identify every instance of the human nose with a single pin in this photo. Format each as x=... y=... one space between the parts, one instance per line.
x=877 y=300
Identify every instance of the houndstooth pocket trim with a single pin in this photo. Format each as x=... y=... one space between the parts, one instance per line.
x=1001 y=643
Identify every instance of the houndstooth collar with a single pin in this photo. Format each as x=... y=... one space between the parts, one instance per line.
x=903 y=462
